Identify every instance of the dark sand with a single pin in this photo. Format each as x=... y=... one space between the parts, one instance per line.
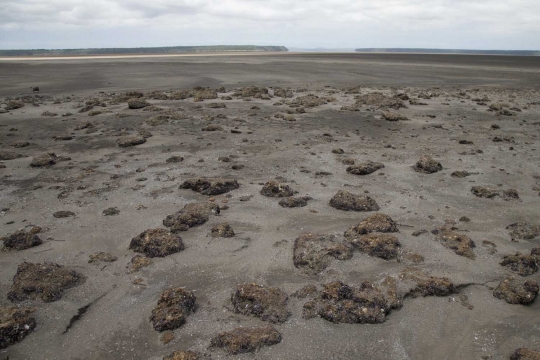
x=470 y=325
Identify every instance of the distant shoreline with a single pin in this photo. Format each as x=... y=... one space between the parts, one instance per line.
x=447 y=51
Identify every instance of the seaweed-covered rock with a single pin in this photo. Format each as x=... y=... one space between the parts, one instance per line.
x=222 y=230
x=460 y=174
x=490 y=192
x=200 y=94
x=207 y=186
x=314 y=252
x=525 y=354
x=275 y=189
x=101 y=256
x=381 y=101
x=294 y=201
x=427 y=165
x=46 y=159
x=173 y=306
x=15 y=324
x=191 y=215
x=245 y=340
x=111 y=211
x=136 y=263
x=21 y=240
x=63 y=214
x=383 y=246
x=421 y=284
x=128 y=141
x=138 y=103
x=13 y=104
x=267 y=303
x=375 y=223
x=514 y=291
x=459 y=243
x=186 y=355
x=392 y=116
x=45 y=281
x=347 y=201
x=156 y=243
x=521 y=264
x=310 y=101
x=212 y=127
x=365 y=168
x=523 y=231
x=9 y=155
x=341 y=303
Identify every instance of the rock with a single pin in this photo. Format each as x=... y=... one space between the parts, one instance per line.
x=391 y=116
x=420 y=232
x=460 y=244
x=138 y=103
x=275 y=189
x=186 y=355
x=200 y=94
x=489 y=192
x=424 y=285
x=266 y=303
x=156 y=243
x=347 y=201
x=310 y=101
x=13 y=104
x=136 y=263
x=174 y=159
x=15 y=324
x=514 y=291
x=46 y=159
x=525 y=354
x=216 y=106
x=283 y=93
x=381 y=101
x=222 y=230
x=383 y=246
x=127 y=141
x=245 y=340
x=523 y=231
x=460 y=174
x=427 y=165
x=292 y=202
x=208 y=186
x=85 y=125
x=101 y=257
x=48 y=113
x=111 y=211
x=341 y=303
x=521 y=264
x=365 y=168
x=9 y=155
x=63 y=214
x=338 y=151
x=45 y=281
x=375 y=223
x=191 y=215
x=212 y=127
x=314 y=252
x=19 y=144
x=173 y=306
x=464 y=219
x=21 y=240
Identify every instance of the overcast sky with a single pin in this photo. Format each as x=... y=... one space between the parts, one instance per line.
x=463 y=24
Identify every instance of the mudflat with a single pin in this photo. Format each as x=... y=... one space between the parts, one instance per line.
x=278 y=206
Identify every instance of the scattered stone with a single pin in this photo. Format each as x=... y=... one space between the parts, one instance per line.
x=381 y=101
x=9 y=155
x=212 y=127
x=48 y=113
x=521 y=264
x=293 y=202
x=15 y=324
x=101 y=257
x=19 y=144
x=514 y=291
x=173 y=306
x=275 y=189
x=525 y=354
x=266 y=303
x=208 y=186
x=222 y=230
x=156 y=243
x=314 y=252
x=365 y=168
x=191 y=215
x=427 y=165
x=127 y=141
x=245 y=340
x=85 y=125
x=216 y=106
x=63 y=214
x=21 y=240
x=460 y=244
x=111 y=211
x=383 y=246
x=174 y=159
x=347 y=201
x=45 y=281
x=338 y=151
x=138 y=103
x=391 y=116
x=420 y=232
x=13 y=104
x=375 y=223
x=136 y=263
x=489 y=192
x=464 y=219
x=348 y=161
x=460 y=174
x=523 y=231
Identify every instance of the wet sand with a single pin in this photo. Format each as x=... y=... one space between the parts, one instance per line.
x=457 y=91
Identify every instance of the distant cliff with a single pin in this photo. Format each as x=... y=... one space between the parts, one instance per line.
x=142 y=50
x=451 y=51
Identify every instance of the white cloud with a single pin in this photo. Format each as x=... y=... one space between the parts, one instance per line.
x=339 y=23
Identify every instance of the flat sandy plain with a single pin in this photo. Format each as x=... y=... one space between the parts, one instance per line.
x=469 y=323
